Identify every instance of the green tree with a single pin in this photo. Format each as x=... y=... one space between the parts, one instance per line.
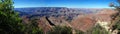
x=9 y=20
x=10 y=23
x=116 y=17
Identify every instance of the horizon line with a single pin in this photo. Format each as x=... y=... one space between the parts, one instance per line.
x=64 y=7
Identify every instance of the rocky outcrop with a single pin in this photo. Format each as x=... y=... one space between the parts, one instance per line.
x=49 y=21
x=59 y=21
x=83 y=23
x=44 y=24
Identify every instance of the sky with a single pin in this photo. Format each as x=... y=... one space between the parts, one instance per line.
x=63 y=3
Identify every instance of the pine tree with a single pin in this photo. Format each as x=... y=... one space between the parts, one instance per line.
x=10 y=23
x=116 y=17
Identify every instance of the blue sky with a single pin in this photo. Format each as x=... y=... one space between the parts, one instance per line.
x=63 y=3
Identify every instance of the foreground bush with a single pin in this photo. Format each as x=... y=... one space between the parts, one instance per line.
x=97 y=30
x=61 y=30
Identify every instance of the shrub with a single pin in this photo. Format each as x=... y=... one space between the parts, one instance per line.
x=61 y=30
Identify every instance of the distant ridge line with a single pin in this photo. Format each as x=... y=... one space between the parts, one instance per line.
x=42 y=7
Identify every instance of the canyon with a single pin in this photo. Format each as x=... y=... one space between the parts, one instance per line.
x=77 y=18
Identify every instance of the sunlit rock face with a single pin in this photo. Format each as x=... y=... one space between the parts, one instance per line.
x=83 y=23
x=103 y=24
x=104 y=18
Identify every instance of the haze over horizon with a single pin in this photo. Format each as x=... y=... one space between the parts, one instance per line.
x=63 y=3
